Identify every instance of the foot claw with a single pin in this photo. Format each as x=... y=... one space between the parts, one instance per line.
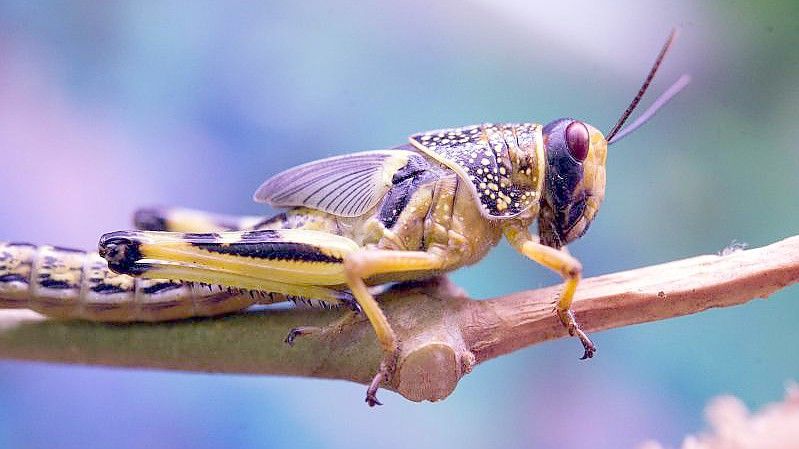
x=350 y=302
x=588 y=345
x=371 y=399
x=590 y=349
x=384 y=373
x=568 y=320
x=293 y=333
x=297 y=331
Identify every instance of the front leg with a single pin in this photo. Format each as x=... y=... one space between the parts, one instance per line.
x=565 y=265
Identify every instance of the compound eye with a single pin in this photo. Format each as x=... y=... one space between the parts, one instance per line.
x=577 y=140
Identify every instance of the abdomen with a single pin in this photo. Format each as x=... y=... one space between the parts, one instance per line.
x=67 y=283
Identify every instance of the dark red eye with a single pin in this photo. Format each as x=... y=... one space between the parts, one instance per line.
x=577 y=140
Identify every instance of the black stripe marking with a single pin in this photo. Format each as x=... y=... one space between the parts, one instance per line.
x=137 y=269
x=13 y=277
x=395 y=202
x=263 y=234
x=292 y=251
x=205 y=236
x=69 y=250
x=278 y=219
x=413 y=167
x=161 y=287
x=107 y=289
x=47 y=282
x=400 y=195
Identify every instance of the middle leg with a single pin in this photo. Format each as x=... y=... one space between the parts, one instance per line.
x=362 y=265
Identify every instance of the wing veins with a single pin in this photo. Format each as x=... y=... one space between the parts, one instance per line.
x=352 y=198
x=314 y=181
x=301 y=171
x=337 y=181
x=362 y=199
x=357 y=186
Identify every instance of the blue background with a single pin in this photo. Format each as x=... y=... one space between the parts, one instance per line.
x=108 y=106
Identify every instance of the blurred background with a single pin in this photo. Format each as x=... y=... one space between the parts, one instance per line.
x=109 y=106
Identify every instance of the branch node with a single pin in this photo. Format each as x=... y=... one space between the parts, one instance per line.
x=429 y=372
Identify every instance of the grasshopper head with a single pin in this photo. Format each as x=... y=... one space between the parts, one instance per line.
x=574 y=184
x=575 y=163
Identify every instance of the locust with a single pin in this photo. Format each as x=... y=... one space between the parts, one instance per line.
x=437 y=203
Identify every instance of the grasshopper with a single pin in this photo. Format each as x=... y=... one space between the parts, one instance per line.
x=415 y=211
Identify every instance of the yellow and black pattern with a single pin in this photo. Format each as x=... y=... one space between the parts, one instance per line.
x=68 y=283
x=294 y=262
x=491 y=158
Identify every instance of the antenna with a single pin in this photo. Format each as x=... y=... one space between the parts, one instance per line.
x=661 y=101
x=614 y=135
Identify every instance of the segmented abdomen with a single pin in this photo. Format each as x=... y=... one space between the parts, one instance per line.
x=67 y=283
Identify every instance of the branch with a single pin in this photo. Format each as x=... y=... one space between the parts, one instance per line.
x=444 y=334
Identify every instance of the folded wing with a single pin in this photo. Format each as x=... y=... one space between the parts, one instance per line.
x=347 y=185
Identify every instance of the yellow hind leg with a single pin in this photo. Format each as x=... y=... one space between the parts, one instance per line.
x=297 y=262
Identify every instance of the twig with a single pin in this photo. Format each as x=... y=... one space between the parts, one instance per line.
x=444 y=334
